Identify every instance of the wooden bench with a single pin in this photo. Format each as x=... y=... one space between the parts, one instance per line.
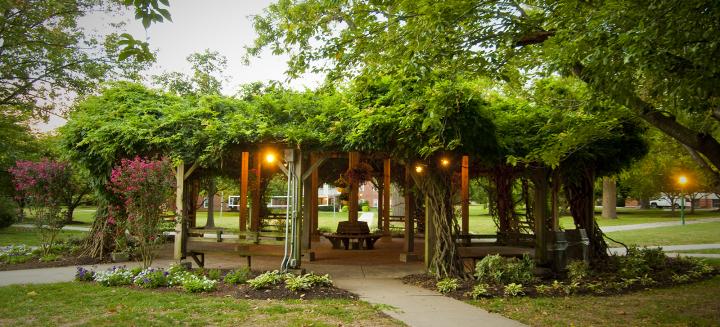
x=476 y=253
x=359 y=232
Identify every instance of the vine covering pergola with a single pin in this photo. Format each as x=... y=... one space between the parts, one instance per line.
x=456 y=131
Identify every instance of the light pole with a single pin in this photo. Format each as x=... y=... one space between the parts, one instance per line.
x=682 y=180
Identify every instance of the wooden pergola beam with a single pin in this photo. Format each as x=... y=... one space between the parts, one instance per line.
x=386 y=198
x=256 y=196
x=242 y=206
x=465 y=195
x=353 y=161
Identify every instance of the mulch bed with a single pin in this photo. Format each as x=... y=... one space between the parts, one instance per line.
x=465 y=286
x=62 y=262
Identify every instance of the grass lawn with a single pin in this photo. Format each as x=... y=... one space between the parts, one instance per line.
x=695 y=304
x=92 y=305
x=480 y=221
x=688 y=234
x=29 y=236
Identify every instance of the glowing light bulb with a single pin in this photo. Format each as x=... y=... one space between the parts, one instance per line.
x=270 y=157
x=445 y=162
x=419 y=169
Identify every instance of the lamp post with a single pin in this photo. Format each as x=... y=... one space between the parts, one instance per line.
x=682 y=180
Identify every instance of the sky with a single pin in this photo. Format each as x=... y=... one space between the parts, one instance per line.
x=217 y=25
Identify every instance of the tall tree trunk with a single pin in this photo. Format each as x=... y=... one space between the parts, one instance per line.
x=438 y=190
x=579 y=189
x=644 y=203
x=609 y=200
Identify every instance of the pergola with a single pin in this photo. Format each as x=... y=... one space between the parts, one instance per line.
x=301 y=167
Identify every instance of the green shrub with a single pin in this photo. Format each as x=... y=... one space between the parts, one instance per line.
x=151 y=278
x=578 y=270
x=49 y=257
x=543 y=289
x=480 y=290
x=84 y=275
x=16 y=254
x=8 y=211
x=136 y=271
x=499 y=270
x=115 y=276
x=344 y=209
x=297 y=283
x=266 y=279
x=238 y=276
x=366 y=208
x=214 y=274
x=194 y=284
x=177 y=274
x=513 y=289
x=447 y=285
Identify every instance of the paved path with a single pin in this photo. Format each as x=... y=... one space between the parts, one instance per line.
x=684 y=247
x=75 y=228
x=656 y=225
x=417 y=306
x=59 y=274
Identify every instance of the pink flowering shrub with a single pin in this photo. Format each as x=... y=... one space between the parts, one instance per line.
x=144 y=187
x=43 y=185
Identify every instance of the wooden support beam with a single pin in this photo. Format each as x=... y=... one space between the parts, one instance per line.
x=554 y=211
x=465 y=195
x=353 y=161
x=386 y=197
x=179 y=210
x=314 y=181
x=191 y=170
x=409 y=245
x=540 y=213
x=256 y=196
x=242 y=206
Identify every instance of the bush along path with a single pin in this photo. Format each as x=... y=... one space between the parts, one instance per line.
x=238 y=283
x=639 y=269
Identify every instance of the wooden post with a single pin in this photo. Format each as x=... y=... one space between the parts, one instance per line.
x=386 y=198
x=179 y=210
x=307 y=203
x=409 y=242
x=354 y=159
x=554 y=200
x=255 y=214
x=242 y=206
x=540 y=212
x=465 y=196
x=314 y=181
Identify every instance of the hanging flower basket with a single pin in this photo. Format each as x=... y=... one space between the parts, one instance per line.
x=360 y=173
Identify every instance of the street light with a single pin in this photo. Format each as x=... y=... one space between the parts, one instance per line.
x=682 y=180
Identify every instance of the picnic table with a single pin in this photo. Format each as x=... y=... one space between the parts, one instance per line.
x=356 y=234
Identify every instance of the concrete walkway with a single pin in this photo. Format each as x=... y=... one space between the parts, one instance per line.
x=75 y=228
x=417 y=306
x=668 y=249
x=60 y=274
x=656 y=225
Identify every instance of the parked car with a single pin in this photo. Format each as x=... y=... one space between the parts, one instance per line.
x=666 y=203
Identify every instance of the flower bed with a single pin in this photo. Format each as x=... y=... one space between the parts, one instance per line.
x=639 y=269
x=241 y=283
x=15 y=257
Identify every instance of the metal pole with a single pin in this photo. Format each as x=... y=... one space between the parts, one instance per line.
x=682 y=207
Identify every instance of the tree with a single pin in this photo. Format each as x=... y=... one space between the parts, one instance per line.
x=657 y=59
x=43 y=186
x=144 y=187
x=609 y=198
x=46 y=58
x=206 y=79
